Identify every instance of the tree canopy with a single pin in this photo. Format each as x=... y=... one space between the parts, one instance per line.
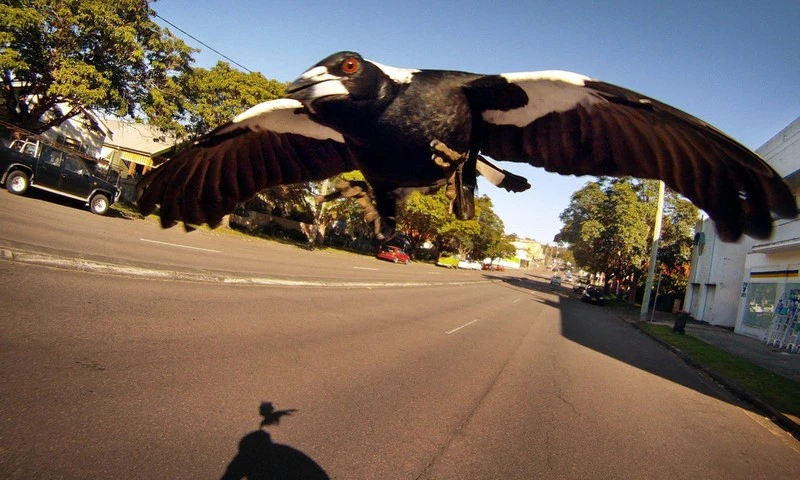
x=609 y=225
x=60 y=57
x=209 y=98
x=427 y=218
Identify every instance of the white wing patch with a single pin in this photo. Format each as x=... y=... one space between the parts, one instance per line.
x=281 y=116
x=399 y=75
x=548 y=91
x=554 y=75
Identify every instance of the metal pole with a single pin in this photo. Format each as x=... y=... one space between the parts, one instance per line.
x=648 y=286
x=655 y=301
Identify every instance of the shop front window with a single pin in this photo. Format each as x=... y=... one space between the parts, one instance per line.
x=761 y=298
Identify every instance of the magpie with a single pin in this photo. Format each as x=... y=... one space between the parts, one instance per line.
x=408 y=129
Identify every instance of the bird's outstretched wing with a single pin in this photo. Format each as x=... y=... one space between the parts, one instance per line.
x=273 y=143
x=571 y=124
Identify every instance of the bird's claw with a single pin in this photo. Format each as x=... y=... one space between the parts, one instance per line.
x=445 y=157
x=452 y=163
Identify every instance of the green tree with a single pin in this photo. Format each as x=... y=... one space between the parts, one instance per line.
x=609 y=228
x=423 y=217
x=427 y=218
x=210 y=97
x=348 y=211
x=491 y=242
x=675 y=245
x=460 y=235
x=581 y=222
x=85 y=54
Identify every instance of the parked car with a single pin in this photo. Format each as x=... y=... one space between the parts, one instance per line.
x=447 y=261
x=469 y=265
x=556 y=280
x=593 y=295
x=493 y=267
x=27 y=164
x=579 y=287
x=393 y=254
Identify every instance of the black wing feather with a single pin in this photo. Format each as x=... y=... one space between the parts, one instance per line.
x=595 y=128
x=206 y=180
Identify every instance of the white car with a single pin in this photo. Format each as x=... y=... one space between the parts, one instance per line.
x=469 y=265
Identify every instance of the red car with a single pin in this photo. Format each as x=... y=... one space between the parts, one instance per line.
x=496 y=267
x=393 y=254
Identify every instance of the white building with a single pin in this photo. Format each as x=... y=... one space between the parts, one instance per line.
x=771 y=267
x=715 y=277
x=739 y=284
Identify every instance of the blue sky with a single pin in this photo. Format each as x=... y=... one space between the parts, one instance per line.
x=734 y=64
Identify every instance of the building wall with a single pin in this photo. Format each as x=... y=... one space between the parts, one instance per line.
x=771 y=266
x=715 y=278
x=78 y=133
x=783 y=150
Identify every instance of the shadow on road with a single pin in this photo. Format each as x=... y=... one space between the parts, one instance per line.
x=260 y=459
x=598 y=328
x=588 y=326
x=42 y=195
x=523 y=282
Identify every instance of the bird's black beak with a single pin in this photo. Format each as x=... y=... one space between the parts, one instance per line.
x=315 y=83
x=298 y=85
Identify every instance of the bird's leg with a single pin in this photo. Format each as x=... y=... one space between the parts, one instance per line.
x=358 y=190
x=461 y=195
x=386 y=221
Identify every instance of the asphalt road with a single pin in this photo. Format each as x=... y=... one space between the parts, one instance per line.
x=392 y=371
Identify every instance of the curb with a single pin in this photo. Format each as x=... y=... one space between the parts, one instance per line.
x=765 y=408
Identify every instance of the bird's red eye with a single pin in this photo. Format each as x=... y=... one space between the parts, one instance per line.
x=350 y=65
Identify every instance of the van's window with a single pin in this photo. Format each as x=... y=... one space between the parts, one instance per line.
x=52 y=157
x=74 y=165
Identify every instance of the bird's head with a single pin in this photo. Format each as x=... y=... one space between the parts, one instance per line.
x=347 y=76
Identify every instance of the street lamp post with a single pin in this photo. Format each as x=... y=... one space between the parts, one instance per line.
x=648 y=286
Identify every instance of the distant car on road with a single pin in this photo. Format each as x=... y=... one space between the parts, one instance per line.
x=556 y=280
x=579 y=287
x=393 y=254
x=593 y=295
x=469 y=265
x=493 y=267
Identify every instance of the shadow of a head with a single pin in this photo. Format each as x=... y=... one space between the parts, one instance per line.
x=259 y=458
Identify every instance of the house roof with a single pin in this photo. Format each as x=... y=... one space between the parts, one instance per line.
x=137 y=137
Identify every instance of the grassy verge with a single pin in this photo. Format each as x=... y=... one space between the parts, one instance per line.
x=778 y=391
x=127 y=210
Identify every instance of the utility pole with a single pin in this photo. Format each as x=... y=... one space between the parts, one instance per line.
x=648 y=286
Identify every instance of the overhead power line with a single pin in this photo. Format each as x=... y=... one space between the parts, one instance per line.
x=203 y=43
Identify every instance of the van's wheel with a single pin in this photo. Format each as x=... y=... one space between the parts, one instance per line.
x=99 y=204
x=17 y=182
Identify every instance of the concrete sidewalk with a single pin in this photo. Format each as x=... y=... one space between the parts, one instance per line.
x=755 y=351
x=750 y=349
